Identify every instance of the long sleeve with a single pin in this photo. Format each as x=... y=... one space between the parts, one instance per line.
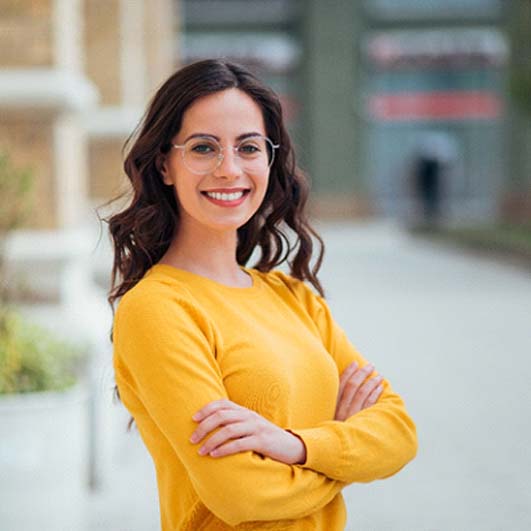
x=373 y=444
x=165 y=355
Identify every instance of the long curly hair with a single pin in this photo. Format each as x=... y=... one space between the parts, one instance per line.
x=143 y=231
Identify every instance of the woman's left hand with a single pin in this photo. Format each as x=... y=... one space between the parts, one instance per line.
x=243 y=429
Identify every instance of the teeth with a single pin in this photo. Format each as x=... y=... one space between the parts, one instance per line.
x=225 y=197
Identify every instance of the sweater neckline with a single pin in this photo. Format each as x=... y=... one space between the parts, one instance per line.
x=195 y=278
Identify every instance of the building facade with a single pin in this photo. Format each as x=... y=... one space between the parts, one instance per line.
x=434 y=89
x=74 y=79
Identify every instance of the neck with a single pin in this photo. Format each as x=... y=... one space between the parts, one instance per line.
x=208 y=253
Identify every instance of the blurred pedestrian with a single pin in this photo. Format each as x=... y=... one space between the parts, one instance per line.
x=251 y=400
x=433 y=164
x=428 y=170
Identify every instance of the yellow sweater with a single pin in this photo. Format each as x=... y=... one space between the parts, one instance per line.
x=182 y=340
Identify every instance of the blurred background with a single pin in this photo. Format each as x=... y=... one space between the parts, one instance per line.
x=412 y=119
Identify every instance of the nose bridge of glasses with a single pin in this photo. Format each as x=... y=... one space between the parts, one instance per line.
x=233 y=151
x=221 y=159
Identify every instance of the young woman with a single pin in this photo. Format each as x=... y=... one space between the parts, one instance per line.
x=254 y=405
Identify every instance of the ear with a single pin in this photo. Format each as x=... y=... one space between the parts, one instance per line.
x=162 y=167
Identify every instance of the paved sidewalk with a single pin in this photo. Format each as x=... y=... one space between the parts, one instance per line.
x=453 y=334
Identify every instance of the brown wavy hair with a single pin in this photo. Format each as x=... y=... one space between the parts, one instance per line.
x=143 y=231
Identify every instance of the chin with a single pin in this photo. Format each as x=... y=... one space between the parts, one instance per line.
x=226 y=226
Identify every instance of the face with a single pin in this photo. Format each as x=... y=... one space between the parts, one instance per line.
x=226 y=116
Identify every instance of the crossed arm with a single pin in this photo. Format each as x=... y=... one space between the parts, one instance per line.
x=242 y=429
x=247 y=484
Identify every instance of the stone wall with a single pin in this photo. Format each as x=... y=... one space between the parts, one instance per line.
x=107 y=178
x=26 y=33
x=29 y=142
x=102 y=48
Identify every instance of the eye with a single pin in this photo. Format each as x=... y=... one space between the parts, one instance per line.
x=250 y=147
x=202 y=147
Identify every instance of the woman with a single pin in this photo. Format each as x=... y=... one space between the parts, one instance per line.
x=232 y=374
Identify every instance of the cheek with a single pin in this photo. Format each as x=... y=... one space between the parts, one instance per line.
x=262 y=180
x=185 y=186
x=181 y=194
x=264 y=183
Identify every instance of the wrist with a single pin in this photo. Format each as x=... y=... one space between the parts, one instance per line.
x=300 y=449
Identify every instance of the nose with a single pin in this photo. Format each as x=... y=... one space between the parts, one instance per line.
x=229 y=166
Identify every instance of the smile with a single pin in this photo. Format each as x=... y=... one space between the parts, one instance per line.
x=226 y=199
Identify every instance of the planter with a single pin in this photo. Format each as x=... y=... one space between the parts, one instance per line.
x=43 y=460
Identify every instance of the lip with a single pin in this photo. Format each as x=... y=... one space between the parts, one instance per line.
x=225 y=190
x=228 y=204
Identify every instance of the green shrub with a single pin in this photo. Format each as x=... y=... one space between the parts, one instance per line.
x=16 y=189
x=16 y=186
x=32 y=359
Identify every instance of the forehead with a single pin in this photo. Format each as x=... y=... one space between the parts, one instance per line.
x=228 y=113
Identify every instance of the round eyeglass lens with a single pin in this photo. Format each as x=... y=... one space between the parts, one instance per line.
x=256 y=152
x=201 y=155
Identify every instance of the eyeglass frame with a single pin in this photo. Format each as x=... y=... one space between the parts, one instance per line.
x=221 y=155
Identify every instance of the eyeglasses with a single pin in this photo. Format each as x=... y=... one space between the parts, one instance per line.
x=204 y=154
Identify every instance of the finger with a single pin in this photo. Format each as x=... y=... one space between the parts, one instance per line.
x=345 y=376
x=228 y=433
x=352 y=386
x=363 y=392
x=347 y=373
x=213 y=406
x=221 y=417
x=373 y=396
x=234 y=447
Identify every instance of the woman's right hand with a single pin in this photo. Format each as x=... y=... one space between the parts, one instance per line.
x=356 y=392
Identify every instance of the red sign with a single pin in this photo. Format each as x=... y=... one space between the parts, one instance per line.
x=464 y=105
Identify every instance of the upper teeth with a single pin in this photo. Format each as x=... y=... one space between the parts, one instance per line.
x=225 y=197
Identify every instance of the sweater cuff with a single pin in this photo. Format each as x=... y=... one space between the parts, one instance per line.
x=322 y=446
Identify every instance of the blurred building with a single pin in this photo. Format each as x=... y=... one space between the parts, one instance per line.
x=517 y=204
x=434 y=88
x=74 y=79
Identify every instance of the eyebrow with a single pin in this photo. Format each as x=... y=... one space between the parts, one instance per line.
x=238 y=138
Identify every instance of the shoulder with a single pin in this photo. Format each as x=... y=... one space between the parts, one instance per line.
x=155 y=297
x=300 y=289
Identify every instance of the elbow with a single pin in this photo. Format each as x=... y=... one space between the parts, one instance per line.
x=403 y=445
x=404 y=450
x=413 y=444
x=409 y=440
x=231 y=504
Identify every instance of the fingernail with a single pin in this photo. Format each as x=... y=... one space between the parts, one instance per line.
x=201 y=451
x=195 y=416
x=193 y=438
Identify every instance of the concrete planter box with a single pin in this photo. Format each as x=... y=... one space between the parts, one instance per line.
x=43 y=460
